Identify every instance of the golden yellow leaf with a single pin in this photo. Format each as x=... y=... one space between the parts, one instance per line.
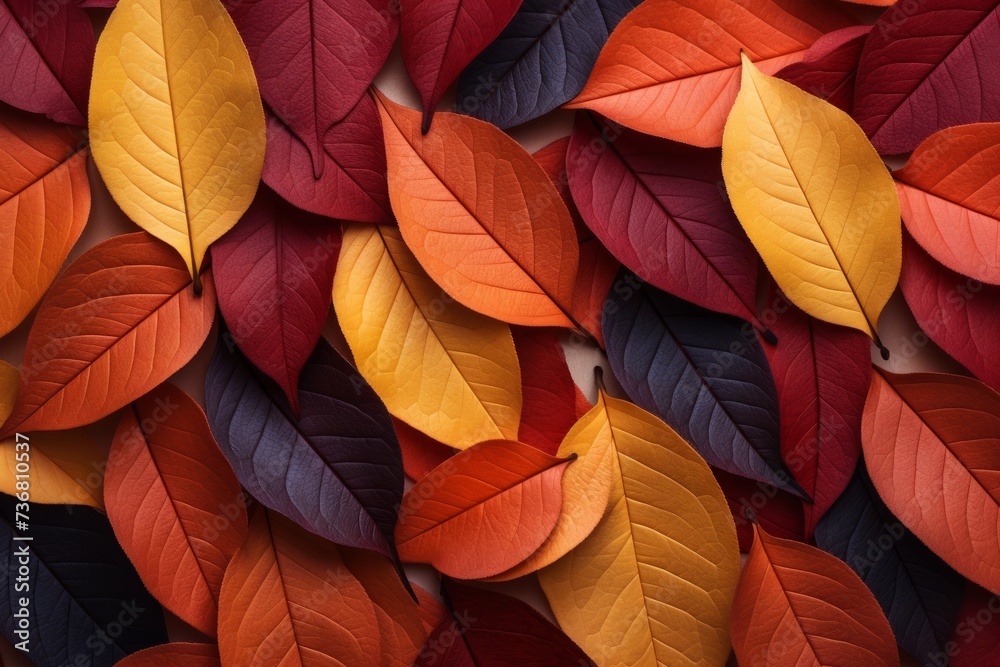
x=65 y=468
x=654 y=582
x=815 y=199
x=176 y=121
x=438 y=366
x=8 y=390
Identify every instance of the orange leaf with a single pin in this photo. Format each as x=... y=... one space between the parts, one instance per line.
x=481 y=217
x=172 y=655
x=44 y=205
x=288 y=599
x=482 y=511
x=672 y=67
x=432 y=612
x=174 y=503
x=67 y=468
x=932 y=446
x=119 y=321
x=796 y=605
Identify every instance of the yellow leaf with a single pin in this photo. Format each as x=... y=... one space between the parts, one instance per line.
x=438 y=366
x=65 y=468
x=815 y=199
x=654 y=582
x=176 y=121
x=8 y=390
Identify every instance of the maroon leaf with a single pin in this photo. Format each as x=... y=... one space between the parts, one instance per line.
x=830 y=66
x=48 y=55
x=546 y=386
x=977 y=631
x=927 y=66
x=274 y=276
x=421 y=452
x=778 y=512
x=956 y=312
x=314 y=59
x=441 y=37
x=660 y=207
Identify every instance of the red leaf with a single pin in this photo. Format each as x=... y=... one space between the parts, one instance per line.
x=421 y=453
x=779 y=512
x=173 y=655
x=547 y=388
x=274 y=276
x=977 y=631
x=441 y=37
x=830 y=66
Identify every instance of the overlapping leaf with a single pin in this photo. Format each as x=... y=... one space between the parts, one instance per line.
x=440 y=367
x=174 y=503
x=44 y=205
x=829 y=68
x=974 y=642
x=421 y=453
x=671 y=68
x=779 y=512
x=176 y=653
x=176 y=122
x=931 y=446
x=653 y=583
x=815 y=199
x=125 y=317
x=549 y=395
x=273 y=273
x=64 y=468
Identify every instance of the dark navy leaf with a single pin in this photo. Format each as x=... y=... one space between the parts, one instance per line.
x=703 y=373
x=919 y=593
x=540 y=61
x=87 y=605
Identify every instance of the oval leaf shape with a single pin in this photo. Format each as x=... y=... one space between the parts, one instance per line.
x=670 y=68
x=815 y=199
x=540 y=61
x=482 y=217
x=288 y=593
x=704 y=374
x=314 y=60
x=173 y=654
x=932 y=446
x=954 y=311
x=80 y=585
x=829 y=68
x=441 y=37
x=44 y=205
x=919 y=594
x=174 y=503
x=658 y=207
x=66 y=468
x=482 y=511
x=125 y=317
x=948 y=199
x=489 y=629
x=653 y=583
x=276 y=311
x=176 y=122
x=913 y=54
x=49 y=54
x=335 y=470
x=440 y=367
x=799 y=606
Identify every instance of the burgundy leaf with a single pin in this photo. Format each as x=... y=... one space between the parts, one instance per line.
x=778 y=512
x=546 y=386
x=830 y=66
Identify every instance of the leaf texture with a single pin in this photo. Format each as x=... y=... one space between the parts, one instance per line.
x=653 y=583
x=44 y=205
x=482 y=217
x=175 y=653
x=829 y=68
x=779 y=512
x=670 y=68
x=549 y=394
x=273 y=274
x=65 y=468
x=482 y=511
x=174 y=503
x=176 y=122
x=798 y=606
x=126 y=318
x=440 y=367
x=815 y=199
x=540 y=61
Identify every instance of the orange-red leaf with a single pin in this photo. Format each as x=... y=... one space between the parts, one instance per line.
x=482 y=511
x=421 y=452
x=119 y=321
x=481 y=217
x=174 y=503
x=44 y=205
x=932 y=447
x=797 y=606
x=177 y=654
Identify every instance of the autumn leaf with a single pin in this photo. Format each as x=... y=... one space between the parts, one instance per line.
x=665 y=552
x=815 y=200
x=44 y=205
x=547 y=388
x=829 y=67
x=125 y=318
x=421 y=453
x=482 y=511
x=176 y=653
x=174 y=503
x=176 y=122
x=64 y=468
x=670 y=68
x=438 y=366
x=8 y=389
x=481 y=217
x=798 y=605
x=779 y=512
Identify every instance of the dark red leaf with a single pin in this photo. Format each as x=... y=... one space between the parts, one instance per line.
x=547 y=388
x=421 y=453
x=830 y=66
x=780 y=513
x=976 y=641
